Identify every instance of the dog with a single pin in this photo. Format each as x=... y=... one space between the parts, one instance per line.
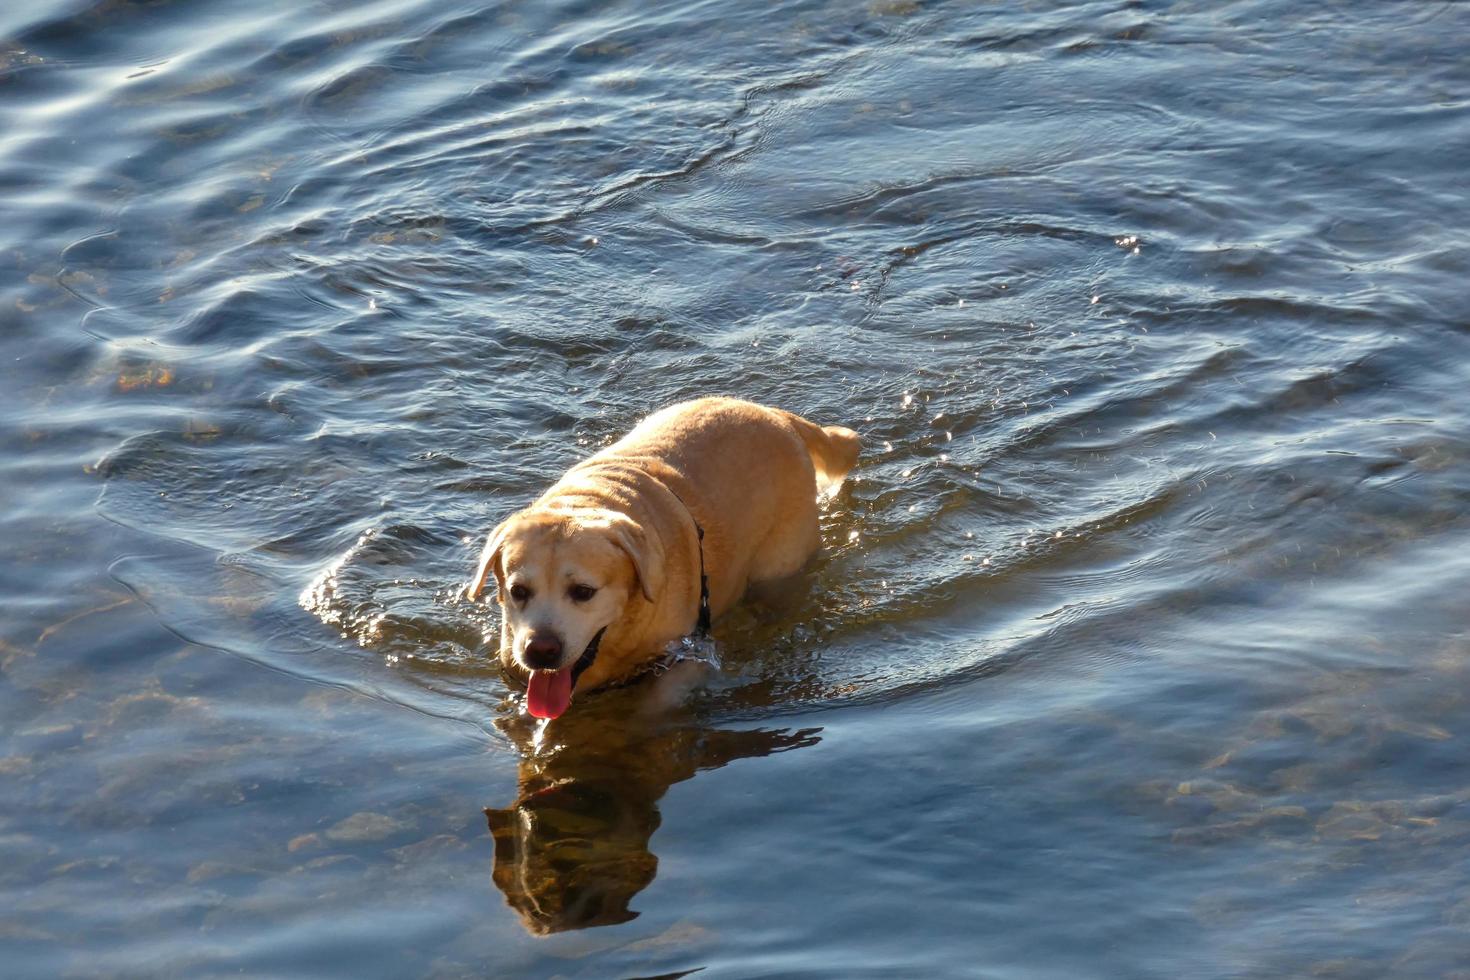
x=664 y=529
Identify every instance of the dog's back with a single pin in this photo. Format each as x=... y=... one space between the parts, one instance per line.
x=750 y=475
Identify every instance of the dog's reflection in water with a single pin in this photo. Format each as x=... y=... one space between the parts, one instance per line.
x=572 y=851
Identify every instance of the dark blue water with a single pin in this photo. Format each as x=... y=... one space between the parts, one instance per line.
x=1140 y=644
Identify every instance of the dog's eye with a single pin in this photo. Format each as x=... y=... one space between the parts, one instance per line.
x=581 y=593
x=519 y=592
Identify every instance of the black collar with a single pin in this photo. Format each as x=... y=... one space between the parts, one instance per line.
x=701 y=629
x=587 y=657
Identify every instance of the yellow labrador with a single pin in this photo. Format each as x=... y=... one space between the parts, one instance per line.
x=604 y=570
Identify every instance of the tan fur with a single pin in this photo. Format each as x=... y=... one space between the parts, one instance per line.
x=623 y=522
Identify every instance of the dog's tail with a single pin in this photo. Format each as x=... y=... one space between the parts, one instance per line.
x=834 y=450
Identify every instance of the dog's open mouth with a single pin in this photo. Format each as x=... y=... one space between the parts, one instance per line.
x=549 y=692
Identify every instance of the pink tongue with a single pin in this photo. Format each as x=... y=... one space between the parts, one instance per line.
x=549 y=693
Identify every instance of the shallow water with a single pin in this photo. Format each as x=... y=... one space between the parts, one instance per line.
x=1139 y=643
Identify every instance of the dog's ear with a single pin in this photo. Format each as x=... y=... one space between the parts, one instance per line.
x=645 y=550
x=489 y=562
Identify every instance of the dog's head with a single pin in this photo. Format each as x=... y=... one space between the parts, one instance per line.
x=563 y=577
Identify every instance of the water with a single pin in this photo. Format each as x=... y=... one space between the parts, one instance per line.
x=1139 y=644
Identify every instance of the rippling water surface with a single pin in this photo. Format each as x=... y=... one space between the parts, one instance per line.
x=1139 y=643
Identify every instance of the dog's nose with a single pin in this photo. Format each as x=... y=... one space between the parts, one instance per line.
x=543 y=651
